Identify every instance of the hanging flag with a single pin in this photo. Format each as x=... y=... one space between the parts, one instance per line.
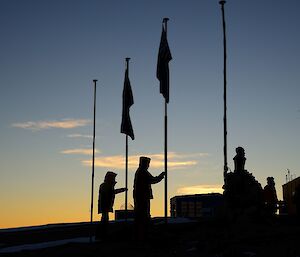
x=126 y=126
x=162 y=72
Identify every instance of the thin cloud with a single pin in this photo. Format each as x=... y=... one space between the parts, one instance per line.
x=62 y=124
x=200 y=189
x=79 y=136
x=83 y=151
x=175 y=161
x=190 y=155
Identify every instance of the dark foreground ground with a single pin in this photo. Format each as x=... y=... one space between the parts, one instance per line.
x=208 y=238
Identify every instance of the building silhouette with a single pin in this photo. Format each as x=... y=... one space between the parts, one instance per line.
x=196 y=206
x=289 y=191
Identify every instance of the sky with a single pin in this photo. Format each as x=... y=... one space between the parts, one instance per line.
x=50 y=52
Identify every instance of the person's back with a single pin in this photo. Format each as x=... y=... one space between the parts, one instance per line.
x=106 y=197
x=270 y=196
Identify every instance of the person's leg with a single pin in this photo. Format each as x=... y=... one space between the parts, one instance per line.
x=104 y=222
x=141 y=213
x=138 y=222
x=147 y=220
x=105 y=217
x=101 y=229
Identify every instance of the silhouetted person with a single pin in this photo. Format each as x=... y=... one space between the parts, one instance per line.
x=239 y=159
x=106 y=200
x=142 y=193
x=270 y=197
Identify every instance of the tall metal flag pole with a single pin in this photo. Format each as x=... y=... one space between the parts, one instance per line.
x=162 y=74
x=126 y=157
x=126 y=126
x=93 y=161
x=222 y=3
x=165 y=21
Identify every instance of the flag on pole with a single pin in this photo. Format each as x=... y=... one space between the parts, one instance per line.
x=162 y=72
x=126 y=126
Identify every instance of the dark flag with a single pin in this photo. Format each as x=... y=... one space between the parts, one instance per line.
x=162 y=72
x=126 y=126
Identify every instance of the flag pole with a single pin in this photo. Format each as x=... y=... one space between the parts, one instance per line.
x=222 y=3
x=93 y=160
x=126 y=158
x=165 y=21
x=126 y=178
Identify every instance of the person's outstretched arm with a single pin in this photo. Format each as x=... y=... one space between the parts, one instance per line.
x=120 y=190
x=154 y=180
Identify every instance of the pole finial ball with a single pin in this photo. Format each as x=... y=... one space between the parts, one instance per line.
x=222 y=2
x=95 y=80
x=165 y=19
x=127 y=59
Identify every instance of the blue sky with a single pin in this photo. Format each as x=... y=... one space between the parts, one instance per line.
x=50 y=52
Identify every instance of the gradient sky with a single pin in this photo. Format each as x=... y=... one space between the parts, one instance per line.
x=50 y=51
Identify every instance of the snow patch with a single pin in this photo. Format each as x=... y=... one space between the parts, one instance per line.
x=19 y=248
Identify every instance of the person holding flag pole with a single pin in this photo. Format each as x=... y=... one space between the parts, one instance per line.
x=126 y=126
x=162 y=74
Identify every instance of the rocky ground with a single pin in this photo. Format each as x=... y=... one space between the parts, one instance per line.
x=207 y=237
